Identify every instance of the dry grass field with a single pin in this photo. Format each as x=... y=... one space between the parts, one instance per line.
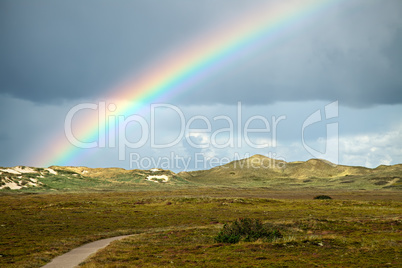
x=176 y=227
x=175 y=219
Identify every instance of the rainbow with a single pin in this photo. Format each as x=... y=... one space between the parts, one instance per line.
x=189 y=64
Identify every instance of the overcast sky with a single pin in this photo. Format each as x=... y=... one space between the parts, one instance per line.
x=55 y=55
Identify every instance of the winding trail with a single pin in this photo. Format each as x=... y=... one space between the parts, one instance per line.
x=74 y=257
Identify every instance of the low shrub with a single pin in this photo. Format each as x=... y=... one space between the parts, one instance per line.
x=246 y=229
x=322 y=197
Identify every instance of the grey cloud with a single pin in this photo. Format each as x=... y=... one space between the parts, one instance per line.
x=68 y=50
x=352 y=55
x=71 y=50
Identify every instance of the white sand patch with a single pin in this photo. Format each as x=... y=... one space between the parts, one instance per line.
x=24 y=170
x=158 y=178
x=16 y=186
x=51 y=171
x=154 y=169
x=12 y=171
x=19 y=170
x=32 y=184
x=84 y=171
x=12 y=185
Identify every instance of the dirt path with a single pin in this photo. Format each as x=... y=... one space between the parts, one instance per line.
x=74 y=257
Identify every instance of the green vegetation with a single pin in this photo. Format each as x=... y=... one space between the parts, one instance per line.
x=322 y=197
x=248 y=229
x=261 y=171
x=256 y=171
x=248 y=213
x=178 y=227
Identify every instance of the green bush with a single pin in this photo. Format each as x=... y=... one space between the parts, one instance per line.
x=246 y=229
x=322 y=197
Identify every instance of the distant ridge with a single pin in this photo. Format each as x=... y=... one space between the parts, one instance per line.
x=259 y=170
x=255 y=171
x=262 y=165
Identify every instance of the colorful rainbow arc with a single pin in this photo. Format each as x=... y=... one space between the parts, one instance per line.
x=190 y=64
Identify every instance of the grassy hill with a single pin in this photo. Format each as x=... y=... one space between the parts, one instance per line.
x=256 y=171
x=261 y=171
x=57 y=178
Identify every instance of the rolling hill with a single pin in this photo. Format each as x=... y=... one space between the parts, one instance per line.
x=259 y=170
x=256 y=171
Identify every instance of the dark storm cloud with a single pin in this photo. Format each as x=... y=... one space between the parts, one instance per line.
x=73 y=49
x=352 y=55
x=52 y=50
